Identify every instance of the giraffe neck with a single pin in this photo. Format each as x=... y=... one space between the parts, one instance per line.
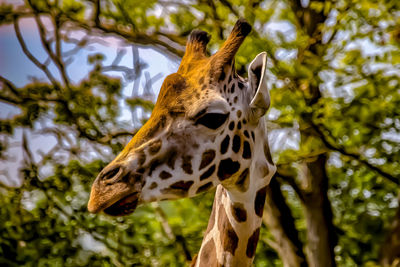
x=234 y=225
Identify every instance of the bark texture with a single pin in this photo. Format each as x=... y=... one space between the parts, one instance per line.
x=318 y=213
x=280 y=222
x=390 y=251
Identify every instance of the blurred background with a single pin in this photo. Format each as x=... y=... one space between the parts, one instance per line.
x=79 y=78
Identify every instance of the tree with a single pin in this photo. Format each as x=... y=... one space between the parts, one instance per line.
x=334 y=72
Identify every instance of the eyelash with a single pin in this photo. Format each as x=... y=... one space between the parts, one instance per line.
x=212 y=120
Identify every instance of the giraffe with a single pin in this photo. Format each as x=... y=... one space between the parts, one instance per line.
x=207 y=130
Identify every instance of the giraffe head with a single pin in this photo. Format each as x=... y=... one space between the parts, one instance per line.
x=202 y=132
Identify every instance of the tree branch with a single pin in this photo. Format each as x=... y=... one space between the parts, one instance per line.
x=16 y=98
x=173 y=48
x=230 y=7
x=281 y=224
x=170 y=233
x=292 y=182
x=333 y=146
x=47 y=46
x=34 y=60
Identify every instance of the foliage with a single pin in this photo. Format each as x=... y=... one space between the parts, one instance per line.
x=335 y=92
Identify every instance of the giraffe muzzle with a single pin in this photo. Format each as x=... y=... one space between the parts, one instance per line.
x=116 y=191
x=125 y=206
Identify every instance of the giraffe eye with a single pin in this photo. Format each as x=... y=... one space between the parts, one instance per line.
x=212 y=120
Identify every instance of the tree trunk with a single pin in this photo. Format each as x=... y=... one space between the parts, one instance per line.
x=390 y=251
x=280 y=223
x=318 y=213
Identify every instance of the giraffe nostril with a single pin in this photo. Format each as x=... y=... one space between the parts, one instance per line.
x=110 y=174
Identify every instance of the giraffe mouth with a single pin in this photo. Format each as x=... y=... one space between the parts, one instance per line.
x=124 y=206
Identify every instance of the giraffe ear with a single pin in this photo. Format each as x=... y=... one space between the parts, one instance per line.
x=258 y=86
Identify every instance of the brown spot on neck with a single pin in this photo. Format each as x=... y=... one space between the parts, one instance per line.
x=252 y=243
x=228 y=236
x=260 y=201
x=208 y=255
x=239 y=212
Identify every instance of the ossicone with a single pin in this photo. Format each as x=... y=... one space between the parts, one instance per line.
x=226 y=54
x=197 y=43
